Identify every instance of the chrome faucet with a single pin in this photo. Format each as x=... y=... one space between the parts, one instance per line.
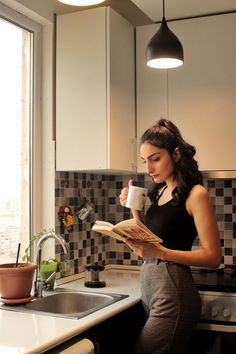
x=39 y=285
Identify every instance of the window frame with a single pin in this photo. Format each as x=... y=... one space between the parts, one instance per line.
x=35 y=202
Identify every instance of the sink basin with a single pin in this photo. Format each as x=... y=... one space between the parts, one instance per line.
x=69 y=304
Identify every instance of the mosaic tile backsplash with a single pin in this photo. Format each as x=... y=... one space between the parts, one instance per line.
x=102 y=191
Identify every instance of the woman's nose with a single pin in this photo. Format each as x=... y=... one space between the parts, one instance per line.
x=149 y=167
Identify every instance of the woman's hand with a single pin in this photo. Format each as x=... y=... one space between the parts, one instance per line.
x=146 y=249
x=123 y=197
x=124 y=193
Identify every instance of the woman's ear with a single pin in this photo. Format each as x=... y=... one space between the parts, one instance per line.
x=176 y=154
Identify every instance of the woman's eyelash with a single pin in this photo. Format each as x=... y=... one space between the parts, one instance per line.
x=153 y=160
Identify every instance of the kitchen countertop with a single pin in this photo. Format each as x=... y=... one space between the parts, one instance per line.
x=26 y=333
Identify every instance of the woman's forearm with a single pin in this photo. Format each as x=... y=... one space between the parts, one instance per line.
x=137 y=214
x=198 y=257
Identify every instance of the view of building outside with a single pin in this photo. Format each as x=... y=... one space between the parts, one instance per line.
x=14 y=139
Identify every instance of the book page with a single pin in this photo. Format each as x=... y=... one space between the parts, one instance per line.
x=103 y=228
x=105 y=224
x=136 y=230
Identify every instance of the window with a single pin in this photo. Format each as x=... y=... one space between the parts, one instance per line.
x=17 y=134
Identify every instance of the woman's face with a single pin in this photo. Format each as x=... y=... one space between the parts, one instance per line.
x=159 y=163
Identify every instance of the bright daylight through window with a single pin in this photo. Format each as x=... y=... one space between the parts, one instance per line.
x=15 y=78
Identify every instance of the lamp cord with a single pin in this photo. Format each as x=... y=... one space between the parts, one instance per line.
x=167 y=93
x=163 y=8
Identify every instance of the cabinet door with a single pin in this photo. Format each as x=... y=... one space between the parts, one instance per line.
x=95 y=91
x=81 y=90
x=122 y=148
x=118 y=334
x=200 y=95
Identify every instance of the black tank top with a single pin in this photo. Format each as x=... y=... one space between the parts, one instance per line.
x=173 y=224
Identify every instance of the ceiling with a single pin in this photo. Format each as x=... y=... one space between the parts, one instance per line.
x=125 y=8
x=183 y=8
x=143 y=12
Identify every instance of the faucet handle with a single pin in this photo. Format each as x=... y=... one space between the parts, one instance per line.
x=51 y=276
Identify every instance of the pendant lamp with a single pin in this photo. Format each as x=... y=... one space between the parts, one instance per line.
x=164 y=51
x=82 y=2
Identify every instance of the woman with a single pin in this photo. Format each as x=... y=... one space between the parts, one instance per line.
x=180 y=210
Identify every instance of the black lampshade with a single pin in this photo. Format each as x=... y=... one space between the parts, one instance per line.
x=164 y=49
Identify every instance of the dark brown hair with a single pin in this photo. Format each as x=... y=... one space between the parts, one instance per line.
x=165 y=135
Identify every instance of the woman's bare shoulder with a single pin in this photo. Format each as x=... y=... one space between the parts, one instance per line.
x=197 y=195
x=198 y=190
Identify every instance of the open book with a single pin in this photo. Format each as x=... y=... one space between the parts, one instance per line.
x=132 y=228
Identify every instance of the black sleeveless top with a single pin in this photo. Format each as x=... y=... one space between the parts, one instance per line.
x=173 y=224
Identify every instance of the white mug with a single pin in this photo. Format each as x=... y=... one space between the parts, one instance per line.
x=136 y=197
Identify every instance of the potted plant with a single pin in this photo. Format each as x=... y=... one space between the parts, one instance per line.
x=16 y=279
x=16 y=282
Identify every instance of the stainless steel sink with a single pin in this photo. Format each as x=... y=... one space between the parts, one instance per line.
x=69 y=304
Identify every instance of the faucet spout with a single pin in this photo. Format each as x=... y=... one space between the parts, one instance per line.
x=46 y=236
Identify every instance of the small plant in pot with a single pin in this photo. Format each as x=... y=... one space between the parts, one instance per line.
x=16 y=279
x=16 y=282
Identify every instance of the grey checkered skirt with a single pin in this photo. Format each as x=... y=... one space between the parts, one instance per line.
x=172 y=306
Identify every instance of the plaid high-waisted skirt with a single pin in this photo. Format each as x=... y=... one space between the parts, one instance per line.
x=172 y=308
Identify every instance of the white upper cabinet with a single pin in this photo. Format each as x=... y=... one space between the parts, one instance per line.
x=95 y=94
x=200 y=96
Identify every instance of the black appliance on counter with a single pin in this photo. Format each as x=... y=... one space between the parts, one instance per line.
x=217 y=288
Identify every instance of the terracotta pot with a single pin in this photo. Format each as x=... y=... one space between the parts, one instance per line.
x=16 y=282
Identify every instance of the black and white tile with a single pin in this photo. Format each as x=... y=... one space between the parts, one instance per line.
x=87 y=247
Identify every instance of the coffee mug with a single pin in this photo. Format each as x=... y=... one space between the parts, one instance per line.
x=136 y=197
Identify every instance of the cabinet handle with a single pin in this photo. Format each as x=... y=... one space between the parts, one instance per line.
x=134 y=154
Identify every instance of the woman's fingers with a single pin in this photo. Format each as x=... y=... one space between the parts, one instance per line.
x=123 y=196
x=144 y=249
x=124 y=193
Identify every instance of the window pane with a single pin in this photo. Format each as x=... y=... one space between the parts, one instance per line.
x=14 y=139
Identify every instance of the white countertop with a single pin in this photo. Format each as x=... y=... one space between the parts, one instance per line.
x=26 y=333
